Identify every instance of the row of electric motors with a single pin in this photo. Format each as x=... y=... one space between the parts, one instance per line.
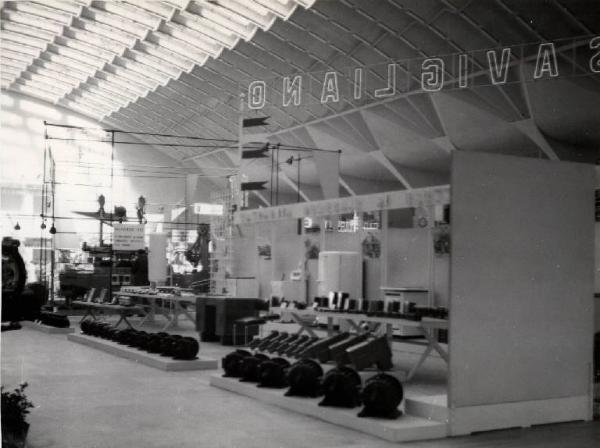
x=359 y=350
x=341 y=386
x=164 y=344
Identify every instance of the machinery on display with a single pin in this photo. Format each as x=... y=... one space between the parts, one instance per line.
x=171 y=345
x=341 y=387
x=54 y=319
x=304 y=378
x=381 y=397
x=400 y=309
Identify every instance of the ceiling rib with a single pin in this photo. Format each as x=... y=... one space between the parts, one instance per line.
x=117 y=52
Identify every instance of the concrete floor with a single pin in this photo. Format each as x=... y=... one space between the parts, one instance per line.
x=89 y=399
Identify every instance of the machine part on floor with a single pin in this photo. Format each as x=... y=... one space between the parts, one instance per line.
x=257 y=341
x=337 y=352
x=273 y=342
x=232 y=363
x=375 y=350
x=322 y=345
x=341 y=387
x=272 y=373
x=250 y=367
x=303 y=339
x=186 y=348
x=304 y=378
x=381 y=397
x=295 y=351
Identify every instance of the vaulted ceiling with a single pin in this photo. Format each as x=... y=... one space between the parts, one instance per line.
x=178 y=67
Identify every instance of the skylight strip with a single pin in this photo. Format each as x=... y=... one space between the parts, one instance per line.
x=125 y=92
x=86 y=110
x=306 y=3
x=134 y=77
x=251 y=11
x=116 y=21
x=43 y=11
x=33 y=33
x=17 y=47
x=50 y=80
x=83 y=47
x=109 y=90
x=181 y=48
x=101 y=108
x=65 y=70
x=69 y=62
x=16 y=56
x=192 y=37
x=108 y=101
x=282 y=10
x=10 y=69
x=145 y=70
x=33 y=21
x=19 y=65
x=42 y=85
x=226 y=21
x=154 y=7
x=133 y=85
x=145 y=17
x=105 y=31
x=35 y=92
x=96 y=40
x=160 y=52
x=63 y=75
x=151 y=61
x=91 y=62
x=70 y=7
x=207 y=27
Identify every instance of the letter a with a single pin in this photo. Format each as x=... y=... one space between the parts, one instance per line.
x=330 y=90
x=546 y=61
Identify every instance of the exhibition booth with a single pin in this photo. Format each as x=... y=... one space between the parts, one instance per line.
x=498 y=374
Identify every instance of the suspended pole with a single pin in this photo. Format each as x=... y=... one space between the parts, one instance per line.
x=112 y=201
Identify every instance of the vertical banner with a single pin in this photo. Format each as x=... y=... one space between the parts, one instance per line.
x=328 y=170
x=157 y=258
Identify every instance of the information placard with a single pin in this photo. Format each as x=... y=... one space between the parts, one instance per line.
x=128 y=236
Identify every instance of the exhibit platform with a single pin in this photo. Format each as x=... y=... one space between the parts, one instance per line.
x=46 y=328
x=417 y=422
x=149 y=359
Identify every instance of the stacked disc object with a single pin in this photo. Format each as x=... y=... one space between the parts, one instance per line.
x=171 y=345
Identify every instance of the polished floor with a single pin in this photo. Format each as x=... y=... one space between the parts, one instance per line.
x=89 y=399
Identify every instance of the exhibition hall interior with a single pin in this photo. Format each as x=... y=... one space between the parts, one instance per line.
x=300 y=223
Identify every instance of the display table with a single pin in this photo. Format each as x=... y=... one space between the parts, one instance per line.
x=176 y=305
x=425 y=327
x=122 y=311
x=216 y=315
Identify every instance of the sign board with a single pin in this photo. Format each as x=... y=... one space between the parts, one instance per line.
x=128 y=236
x=201 y=208
x=418 y=197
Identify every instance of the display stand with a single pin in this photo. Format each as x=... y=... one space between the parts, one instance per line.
x=413 y=425
x=521 y=289
x=45 y=328
x=149 y=359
